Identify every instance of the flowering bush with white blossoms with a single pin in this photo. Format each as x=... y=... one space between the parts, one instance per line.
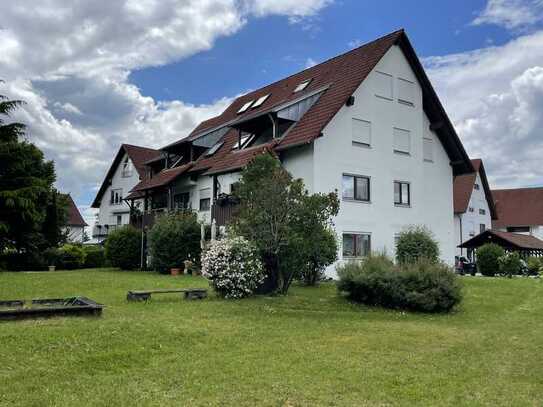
x=233 y=267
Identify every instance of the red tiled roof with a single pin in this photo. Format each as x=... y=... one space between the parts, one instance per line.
x=74 y=216
x=507 y=239
x=162 y=178
x=138 y=155
x=518 y=207
x=463 y=188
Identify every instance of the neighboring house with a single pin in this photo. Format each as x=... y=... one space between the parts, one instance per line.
x=127 y=169
x=75 y=227
x=519 y=211
x=366 y=123
x=474 y=207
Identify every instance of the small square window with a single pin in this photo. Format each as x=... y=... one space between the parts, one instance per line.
x=428 y=150
x=383 y=85
x=402 y=141
x=482 y=212
x=476 y=187
x=361 y=132
x=356 y=188
x=356 y=245
x=471 y=209
x=402 y=193
x=116 y=197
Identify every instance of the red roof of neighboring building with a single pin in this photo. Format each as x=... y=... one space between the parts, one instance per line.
x=518 y=207
x=506 y=239
x=463 y=188
x=74 y=216
x=138 y=155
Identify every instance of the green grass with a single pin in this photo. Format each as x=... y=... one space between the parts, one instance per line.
x=309 y=348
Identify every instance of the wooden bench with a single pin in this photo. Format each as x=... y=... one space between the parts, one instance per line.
x=188 y=293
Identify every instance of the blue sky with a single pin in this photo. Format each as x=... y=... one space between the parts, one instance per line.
x=267 y=49
x=146 y=73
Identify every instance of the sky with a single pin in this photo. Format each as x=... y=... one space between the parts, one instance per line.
x=146 y=72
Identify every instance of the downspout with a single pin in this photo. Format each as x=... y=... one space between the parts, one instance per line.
x=461 y=238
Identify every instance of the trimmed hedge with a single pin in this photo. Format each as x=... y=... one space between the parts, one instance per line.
x=123 y=248
x=96 y=257
x=424 y=286
x=488 y=259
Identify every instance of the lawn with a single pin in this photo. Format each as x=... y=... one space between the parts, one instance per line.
x=309 y=348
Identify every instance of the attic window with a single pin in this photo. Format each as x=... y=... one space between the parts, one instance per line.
x=245 y=106
x=261 y=100
x=214 y=149
x=302 y=85
x=245 y=140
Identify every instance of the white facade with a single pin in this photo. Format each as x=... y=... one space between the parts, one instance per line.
x=395 y=144
x=114 y=211
x=74 y=234
x=475 y=220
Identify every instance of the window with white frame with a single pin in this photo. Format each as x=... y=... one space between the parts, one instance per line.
x=402 y=141
x=205 y=199
x=116 y=197
x=356 y=245
x=402 y=193
x=471 y=209
x=361 y=131
x=383 y=85
x=428 y=150
x=482 y=228
x=356 y=188
x=406 y=91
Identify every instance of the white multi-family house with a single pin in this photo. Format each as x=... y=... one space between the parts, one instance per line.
x=75 y=226
x=129 y=167
x=474 y=208
x=519 y=211
x=366 y=123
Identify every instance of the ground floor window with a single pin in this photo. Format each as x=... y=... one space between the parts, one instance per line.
x=356 y=244
x=181 y=201
x=482 y=228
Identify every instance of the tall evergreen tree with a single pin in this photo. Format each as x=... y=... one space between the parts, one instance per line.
x=26 y=185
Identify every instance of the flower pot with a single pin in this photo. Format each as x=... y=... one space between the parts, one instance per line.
x=52 y=268
x=175 y=271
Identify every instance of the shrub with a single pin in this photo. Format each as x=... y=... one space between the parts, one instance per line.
x=416 y=243
x=31 y=260
x=425 y=286
x=534 y=266
x=123 y=248
x=487 y=259
x=510 y=264
x=173 y=239
x=233 y=267
x=70 y=257
x=95 y=257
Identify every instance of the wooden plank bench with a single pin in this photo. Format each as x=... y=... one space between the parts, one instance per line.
x=188 y=293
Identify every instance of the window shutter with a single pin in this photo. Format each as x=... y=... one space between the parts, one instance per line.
x=361 y=131
x=402 y=141
x=428 y=149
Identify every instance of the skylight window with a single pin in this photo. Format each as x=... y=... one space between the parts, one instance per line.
x=245 y=140
x=302 y=85
x=245 y=106
x=261 y=100
x=214 y=149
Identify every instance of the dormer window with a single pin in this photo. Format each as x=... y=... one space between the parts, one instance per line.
x=245 y=107
x=261 y=100
x=214 y=149
x=302 y=85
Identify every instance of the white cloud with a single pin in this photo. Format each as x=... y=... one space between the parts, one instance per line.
x=310 y=62
x=71 y=61
x=511 y=14
x=355 y=43
x=495 y=98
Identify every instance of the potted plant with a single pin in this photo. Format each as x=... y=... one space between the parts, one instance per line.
x=175 y=271
x=51 y=256
x=188 y=266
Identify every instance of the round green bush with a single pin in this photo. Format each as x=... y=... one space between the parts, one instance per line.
x=510 y=264
x=95 y=257
x=123 y=248
x=487 y=259
x=173 y=239
x=416 y=243
x=425 y=286
x=534 y=265
x=71 y=257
